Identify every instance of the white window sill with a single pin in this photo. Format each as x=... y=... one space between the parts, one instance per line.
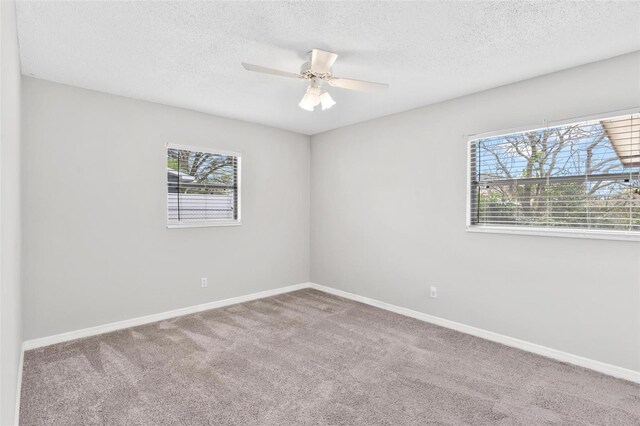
x=201 y=224
x=563 y=233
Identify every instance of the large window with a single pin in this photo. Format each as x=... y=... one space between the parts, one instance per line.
x=581 y=179
x=203 y=187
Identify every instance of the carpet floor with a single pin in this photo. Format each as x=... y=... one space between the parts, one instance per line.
x=310 y=358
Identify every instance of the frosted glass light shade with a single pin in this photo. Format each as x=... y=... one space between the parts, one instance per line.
x=327 y=101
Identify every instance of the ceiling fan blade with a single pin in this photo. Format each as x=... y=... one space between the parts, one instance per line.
x=359 y=85
x=265 y=70
x=322 y=61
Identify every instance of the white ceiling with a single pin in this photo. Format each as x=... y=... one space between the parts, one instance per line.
x=188 y=54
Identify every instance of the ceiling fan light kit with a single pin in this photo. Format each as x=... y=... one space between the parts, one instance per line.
x=317 y=71
x=314 y=96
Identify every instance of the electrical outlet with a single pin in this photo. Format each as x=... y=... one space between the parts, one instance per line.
x=203 y=282
x=434 y=292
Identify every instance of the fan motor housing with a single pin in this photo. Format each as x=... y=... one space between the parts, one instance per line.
x=306 y=72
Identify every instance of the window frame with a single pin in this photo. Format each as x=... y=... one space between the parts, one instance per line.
x=204 y=223
x=599 y=234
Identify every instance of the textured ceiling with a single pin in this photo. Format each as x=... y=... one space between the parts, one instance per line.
x=188 y=54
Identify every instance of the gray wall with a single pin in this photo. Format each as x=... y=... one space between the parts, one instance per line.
x=576 y=295
x=10 y=320
x=96 y=246
x=96 y=249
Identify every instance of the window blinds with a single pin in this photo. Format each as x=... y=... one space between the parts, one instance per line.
x=202 y=186
x=577 y=176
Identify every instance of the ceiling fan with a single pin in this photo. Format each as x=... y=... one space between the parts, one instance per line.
x=318 y=71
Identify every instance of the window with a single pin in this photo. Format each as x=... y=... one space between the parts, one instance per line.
x=203 y=187
x=581 y=179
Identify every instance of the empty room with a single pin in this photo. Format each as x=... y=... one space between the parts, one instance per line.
x=320 y=213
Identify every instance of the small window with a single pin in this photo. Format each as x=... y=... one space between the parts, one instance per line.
x=203 y=187
x=581 y=178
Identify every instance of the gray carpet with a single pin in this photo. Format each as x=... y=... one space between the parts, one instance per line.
x=309 y=358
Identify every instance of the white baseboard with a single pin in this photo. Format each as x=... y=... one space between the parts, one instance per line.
x=19 y=386
x=106 y=328
x=611 y=370
x=601 y=367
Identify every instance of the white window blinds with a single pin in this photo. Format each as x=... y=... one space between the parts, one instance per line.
x=202 y=186
x=577 y=176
